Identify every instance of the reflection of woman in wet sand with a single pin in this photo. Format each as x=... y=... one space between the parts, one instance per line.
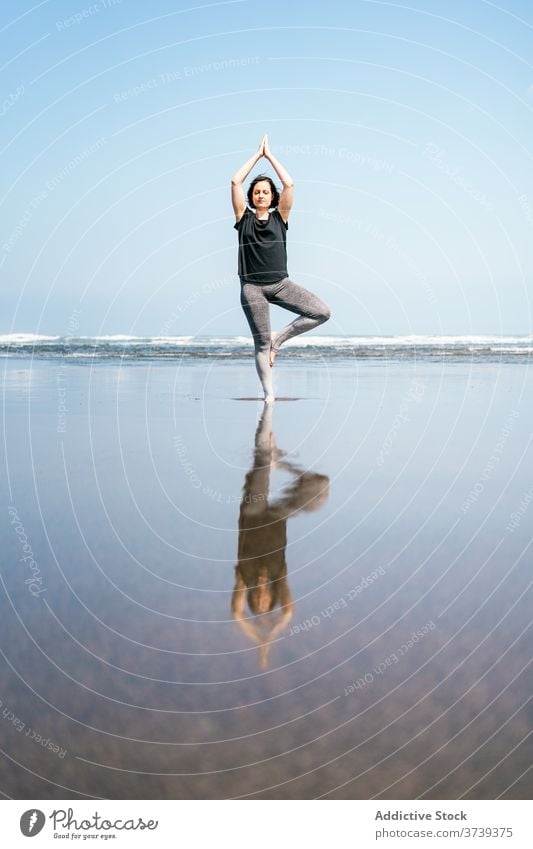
x=261 y=572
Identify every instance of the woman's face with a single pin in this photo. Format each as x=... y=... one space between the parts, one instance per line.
x=261 y=600
x=262 y=195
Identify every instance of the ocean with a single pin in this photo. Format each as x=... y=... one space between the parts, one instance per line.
x=330 y=348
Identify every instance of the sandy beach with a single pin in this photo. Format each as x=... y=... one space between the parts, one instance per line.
x=385 y=506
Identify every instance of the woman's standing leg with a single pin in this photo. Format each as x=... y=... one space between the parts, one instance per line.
x=312 y=311
x=256 y=310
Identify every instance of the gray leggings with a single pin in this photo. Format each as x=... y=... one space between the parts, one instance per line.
x=255 y=300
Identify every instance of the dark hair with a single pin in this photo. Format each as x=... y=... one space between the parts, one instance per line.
x=259 y=179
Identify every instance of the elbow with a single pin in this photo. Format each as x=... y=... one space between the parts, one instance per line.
x=235 y=182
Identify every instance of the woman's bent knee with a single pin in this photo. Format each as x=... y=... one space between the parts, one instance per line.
x=325 y=314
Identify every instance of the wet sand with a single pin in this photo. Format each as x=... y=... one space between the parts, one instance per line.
x=385 y=514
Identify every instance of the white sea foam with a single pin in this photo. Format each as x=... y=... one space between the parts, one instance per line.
x=25 y=338
x=308 y=339
x=133 y=347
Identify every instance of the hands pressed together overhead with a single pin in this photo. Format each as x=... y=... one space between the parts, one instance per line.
x=264 y=149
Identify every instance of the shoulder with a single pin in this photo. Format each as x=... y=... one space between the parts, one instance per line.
x=247 y=212
x=283 y=220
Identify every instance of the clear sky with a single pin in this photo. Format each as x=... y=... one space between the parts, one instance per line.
x=407 y=129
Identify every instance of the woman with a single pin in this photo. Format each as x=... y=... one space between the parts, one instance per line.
x=263 y=264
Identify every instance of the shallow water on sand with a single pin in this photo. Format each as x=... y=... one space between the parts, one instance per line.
x=384 y=514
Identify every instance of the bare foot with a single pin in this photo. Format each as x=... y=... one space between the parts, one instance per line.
x=273 y=350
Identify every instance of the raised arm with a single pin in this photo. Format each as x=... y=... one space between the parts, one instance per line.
x=286 y=197
x=238 y=197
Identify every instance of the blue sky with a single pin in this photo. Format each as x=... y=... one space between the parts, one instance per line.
x=407 y=130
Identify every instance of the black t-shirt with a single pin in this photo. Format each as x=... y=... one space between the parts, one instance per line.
x=262 y=248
